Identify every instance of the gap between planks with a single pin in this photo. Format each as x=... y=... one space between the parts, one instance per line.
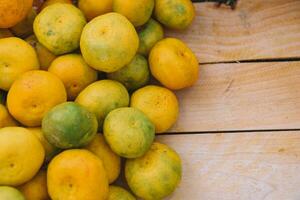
x=254 y=61
x=228 y=132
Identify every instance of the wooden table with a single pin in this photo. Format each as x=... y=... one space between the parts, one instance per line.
x=239 y=127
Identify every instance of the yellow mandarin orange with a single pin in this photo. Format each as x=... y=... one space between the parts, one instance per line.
x=13 y=11
x=159 y=104
x=77 y=175
x=33 y=95
x=173 y=64
x=16 y=57
x=74 y=73
x=21 y=156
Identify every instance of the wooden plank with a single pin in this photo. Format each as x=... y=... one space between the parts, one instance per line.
x=245 y=96
x=253 y=166
x=255 y=30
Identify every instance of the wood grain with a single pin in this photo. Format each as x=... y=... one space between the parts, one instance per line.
x=255 y=30
x=253 y=166
x=242 y=96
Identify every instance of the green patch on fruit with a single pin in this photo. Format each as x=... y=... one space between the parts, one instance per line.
x=69 y=125
x=134 y=75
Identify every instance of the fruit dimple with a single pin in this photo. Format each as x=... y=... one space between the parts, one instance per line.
x=5 y=64
x=181 y=53
x=103 y=31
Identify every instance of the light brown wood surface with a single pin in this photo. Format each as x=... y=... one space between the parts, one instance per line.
x=257 y=29
x=245 y=96
x=238 y=166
